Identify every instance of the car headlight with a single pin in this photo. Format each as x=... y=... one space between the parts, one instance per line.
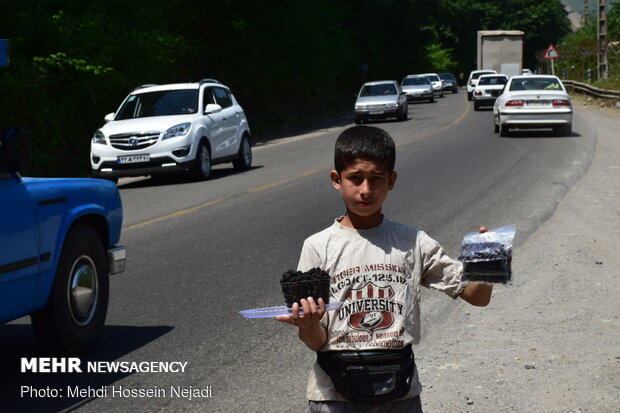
x=99 y=137
x=392 y=104
x=360 y=107
x=177 y=130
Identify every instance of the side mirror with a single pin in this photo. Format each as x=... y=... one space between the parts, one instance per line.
x=15 y=153
x=212 y=108
x=109 y=117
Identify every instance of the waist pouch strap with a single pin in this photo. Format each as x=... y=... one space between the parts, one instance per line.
x=369 y=376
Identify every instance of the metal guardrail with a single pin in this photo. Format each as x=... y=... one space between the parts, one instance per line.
x=591 y=90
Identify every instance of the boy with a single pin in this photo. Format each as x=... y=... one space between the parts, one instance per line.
x=364 y=358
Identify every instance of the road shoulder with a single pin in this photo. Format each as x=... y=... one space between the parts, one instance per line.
x=551 y=341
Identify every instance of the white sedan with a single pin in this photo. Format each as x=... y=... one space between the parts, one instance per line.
x=488 y=89
x=533 y=102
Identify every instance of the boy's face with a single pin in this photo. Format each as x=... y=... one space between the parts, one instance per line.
x=364 y=186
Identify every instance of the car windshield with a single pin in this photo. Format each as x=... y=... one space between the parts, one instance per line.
x=161 y=103
x=409 y=81
x=477 y=75
x=535 y=83
x=378 y=90
x=493 y=80
x=433 y=78
x=446 y=76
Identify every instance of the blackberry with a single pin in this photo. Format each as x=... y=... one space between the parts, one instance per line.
x=486 y=262
x=312 y=283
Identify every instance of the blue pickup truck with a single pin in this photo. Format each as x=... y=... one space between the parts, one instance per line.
x=58 y=246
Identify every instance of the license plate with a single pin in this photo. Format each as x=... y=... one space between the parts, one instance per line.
x=133 y=159
x=537 y=103
x=375 y=112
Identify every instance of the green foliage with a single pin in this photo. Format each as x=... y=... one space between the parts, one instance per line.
x=613 y=22
x=440 y=58
x=578 y=52
x=287 y=61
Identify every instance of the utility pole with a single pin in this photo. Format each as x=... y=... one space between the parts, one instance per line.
x=586 y=12
x=601 y=31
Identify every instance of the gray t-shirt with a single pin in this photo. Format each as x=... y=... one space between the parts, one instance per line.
x=376 y=273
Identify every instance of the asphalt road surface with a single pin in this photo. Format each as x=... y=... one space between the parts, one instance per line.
x=198 y=252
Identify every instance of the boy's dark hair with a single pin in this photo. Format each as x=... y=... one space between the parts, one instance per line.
x=366 y=143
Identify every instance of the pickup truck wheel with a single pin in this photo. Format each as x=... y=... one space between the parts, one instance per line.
x=73 y=318
x=202 y=165
x=244 y=159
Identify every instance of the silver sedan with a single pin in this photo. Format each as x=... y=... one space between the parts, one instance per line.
x=533 y=102
x=380 y=100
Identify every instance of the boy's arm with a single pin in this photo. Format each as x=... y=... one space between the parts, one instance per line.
x=477 y=294
x=311 y=332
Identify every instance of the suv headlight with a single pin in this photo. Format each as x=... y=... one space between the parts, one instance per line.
x=99 y=138
x=177 y=130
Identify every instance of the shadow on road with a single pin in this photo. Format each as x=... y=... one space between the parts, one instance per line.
x=17 y=341
x=180 y=178
x=537 y=133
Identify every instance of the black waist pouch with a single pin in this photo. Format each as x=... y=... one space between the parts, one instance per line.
x=369 y=376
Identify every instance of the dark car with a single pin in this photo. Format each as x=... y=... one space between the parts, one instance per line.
x=449 y=82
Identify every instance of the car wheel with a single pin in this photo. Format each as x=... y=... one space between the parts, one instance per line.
x=495 y=127
x=405 y=114
x=73 y=318
x=244 y=159
x=202 y=164
x=441 y=94
x=476 y=106
x=358 y=120
x=455 y=90
x=431 y=100
x=503 y=130
x=469 y=96
x=567 y=130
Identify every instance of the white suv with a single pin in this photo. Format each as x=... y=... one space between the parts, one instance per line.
x=176 y=127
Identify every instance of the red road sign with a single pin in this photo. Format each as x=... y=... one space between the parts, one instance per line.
x=551 y=53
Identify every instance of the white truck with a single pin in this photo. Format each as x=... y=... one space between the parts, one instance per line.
x=500 y=50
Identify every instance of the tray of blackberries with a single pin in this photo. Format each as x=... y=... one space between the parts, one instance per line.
x=487 y=256
x=295 y=286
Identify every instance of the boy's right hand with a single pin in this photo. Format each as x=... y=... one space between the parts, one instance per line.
x=312 y=313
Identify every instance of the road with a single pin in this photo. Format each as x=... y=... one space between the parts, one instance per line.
x=201 y=251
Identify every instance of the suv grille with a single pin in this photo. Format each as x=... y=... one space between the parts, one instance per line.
x=134 y=141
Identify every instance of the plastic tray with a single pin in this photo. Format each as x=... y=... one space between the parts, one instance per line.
x=282 y=310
